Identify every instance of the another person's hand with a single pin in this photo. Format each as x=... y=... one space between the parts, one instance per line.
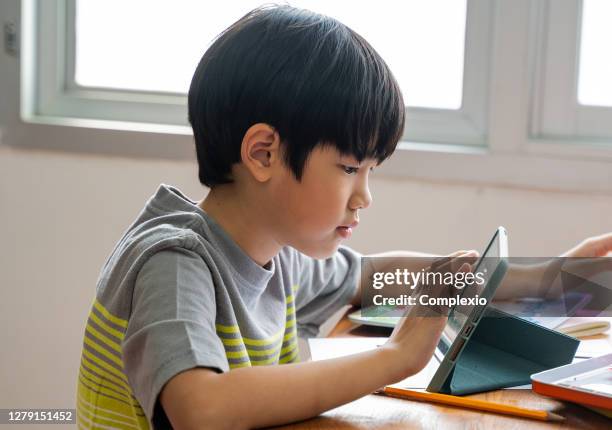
x=541 y=280
x=595 y=246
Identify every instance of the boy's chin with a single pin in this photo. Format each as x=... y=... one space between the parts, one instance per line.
x=318 y=252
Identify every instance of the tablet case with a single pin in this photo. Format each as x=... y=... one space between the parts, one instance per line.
x=504 y=351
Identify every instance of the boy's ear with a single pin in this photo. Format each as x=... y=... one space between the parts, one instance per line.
x=260 y=151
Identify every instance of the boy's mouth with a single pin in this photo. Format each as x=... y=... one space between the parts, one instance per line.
x=351 y=225
x=346 y=231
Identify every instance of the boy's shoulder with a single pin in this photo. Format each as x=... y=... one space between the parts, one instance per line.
x=169 y=218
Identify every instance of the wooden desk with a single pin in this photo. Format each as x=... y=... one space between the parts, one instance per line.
x=385 y=413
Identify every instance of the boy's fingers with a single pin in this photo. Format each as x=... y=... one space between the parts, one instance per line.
x=463 y=252
x=440 y=262
x=465 y=267
x=461 y=256
x=466 y=258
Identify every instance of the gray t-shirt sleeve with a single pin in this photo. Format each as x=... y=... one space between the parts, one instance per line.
x=172 y=324
x=324 y=287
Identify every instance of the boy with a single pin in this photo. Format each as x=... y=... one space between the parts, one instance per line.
x=290 y=111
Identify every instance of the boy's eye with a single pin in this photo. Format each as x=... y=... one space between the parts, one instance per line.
x=350 y=170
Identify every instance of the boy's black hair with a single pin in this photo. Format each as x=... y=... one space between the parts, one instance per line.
x=310 y=77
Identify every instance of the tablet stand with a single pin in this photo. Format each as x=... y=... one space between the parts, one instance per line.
x=504 y=351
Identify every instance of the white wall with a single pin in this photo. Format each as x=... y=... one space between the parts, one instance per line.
x=61 y=213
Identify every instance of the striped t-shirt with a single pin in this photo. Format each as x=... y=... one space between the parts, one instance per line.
x=177 y=293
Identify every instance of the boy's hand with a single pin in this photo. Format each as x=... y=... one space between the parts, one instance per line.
x=416 y=336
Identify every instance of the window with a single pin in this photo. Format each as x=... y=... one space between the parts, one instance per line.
x=134 y=66
x=161 y=52
x=573 y=98
x=595 y=65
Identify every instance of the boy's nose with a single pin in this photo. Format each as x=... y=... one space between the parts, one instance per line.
x=361 y=199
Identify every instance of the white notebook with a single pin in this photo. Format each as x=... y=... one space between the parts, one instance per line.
x=324 y=348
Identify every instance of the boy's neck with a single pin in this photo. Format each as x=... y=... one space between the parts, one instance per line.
x=240 y=221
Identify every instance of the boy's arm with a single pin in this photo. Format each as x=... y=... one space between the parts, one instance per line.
x=263 y=396
x=417 y=261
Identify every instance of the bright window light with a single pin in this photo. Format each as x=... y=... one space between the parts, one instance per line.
x=155 y=45
x=594 y=83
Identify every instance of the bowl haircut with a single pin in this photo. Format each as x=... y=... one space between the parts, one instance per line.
x=310 y=77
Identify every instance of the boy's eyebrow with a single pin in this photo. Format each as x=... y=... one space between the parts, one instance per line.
x=349 y=159
x=362 y=163
x=355 y=160
x=373 y=162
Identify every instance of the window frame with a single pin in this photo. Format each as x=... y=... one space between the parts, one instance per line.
x=557 y=112
x=55 y=94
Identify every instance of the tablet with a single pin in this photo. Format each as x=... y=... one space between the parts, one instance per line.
x=462 y=319
x=587 y=382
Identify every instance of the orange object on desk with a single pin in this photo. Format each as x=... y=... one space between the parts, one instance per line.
x=468 y=403
x=587 y=382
